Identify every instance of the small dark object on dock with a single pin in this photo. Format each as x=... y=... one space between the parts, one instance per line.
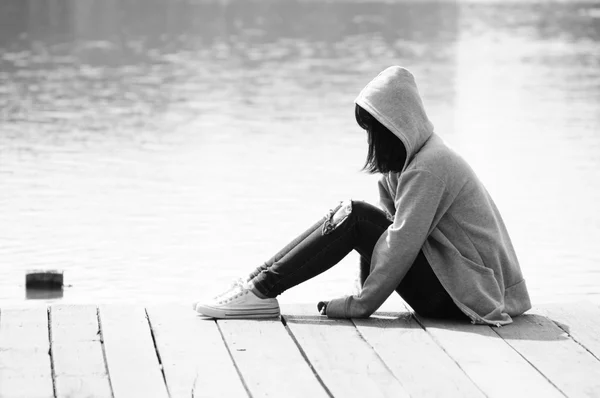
x=46 y=279
x=38 y=293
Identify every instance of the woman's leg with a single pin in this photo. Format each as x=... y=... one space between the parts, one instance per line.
x=422 y=290
x=357 y=226
x=281 y=253
x=353 y=226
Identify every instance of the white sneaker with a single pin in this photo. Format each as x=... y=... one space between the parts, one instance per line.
x=239 y=302
x=235 y=285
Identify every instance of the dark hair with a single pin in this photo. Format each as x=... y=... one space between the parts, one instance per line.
x=386 y=151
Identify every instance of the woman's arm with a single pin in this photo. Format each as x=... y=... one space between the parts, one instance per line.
x=417 y=204
x=386 y=201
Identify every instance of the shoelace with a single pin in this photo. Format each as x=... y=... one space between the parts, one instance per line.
x=235 y=284
x=233 y=294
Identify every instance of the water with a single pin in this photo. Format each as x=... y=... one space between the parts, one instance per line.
x=155 y=150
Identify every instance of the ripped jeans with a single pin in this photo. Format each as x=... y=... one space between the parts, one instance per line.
x=352 y=225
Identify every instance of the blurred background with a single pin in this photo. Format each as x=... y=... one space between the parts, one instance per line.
x=156 y=150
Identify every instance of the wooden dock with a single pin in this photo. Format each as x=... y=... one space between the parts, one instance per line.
x=169 y=351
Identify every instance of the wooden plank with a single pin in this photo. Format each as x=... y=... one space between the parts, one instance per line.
x=27 y=363
x=489 y=361
x=79 y=367
x=269 y=361
x=77 y=386
x=195 y=359
x=78 y=358
x=24 y=328
x=414 y=357
x=131 y=358
x=568 y=365
x=72 y=323
x=25 y=367
x=25 y=387
x=580 y=320
x=347 y=365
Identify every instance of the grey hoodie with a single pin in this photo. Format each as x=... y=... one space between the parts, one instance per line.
x=439 y=206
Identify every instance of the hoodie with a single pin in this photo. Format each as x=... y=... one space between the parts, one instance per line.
x=438 y=206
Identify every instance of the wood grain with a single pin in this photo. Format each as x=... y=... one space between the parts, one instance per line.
x=86 y=387
x=417 y=361
x=79 y=367
x=489 y=361
x=133 y=366
x=348 y=366
x=25 y=367
x=195 y=359
x=389 y=354
x=74 y=323
x=21 y=386
x=567 y=364
x=580 y=320
x=268 y=359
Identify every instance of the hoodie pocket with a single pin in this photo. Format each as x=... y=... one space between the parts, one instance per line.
x=476 y=267
x=472 y=285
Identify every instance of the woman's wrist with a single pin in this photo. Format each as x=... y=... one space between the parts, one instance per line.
x=322 y=307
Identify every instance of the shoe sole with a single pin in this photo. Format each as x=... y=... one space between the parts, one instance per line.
x=255 y=313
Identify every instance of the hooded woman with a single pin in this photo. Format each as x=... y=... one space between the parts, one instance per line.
x=438 y=239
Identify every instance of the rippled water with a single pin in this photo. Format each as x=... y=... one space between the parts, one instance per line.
x=155 y=150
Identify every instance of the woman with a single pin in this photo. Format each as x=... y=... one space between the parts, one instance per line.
x=439 y=241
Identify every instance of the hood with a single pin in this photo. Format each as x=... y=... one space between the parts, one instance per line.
x=393 y=99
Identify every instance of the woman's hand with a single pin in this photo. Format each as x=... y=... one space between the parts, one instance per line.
x=322 y=307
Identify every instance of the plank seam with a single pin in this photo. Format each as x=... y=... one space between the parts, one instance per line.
x=376 y=353
x=529 y=362
x=573 y=338
x=439 y=344
x=160 y=365
x=101 y=335
x=194 y=384
x=50 y=353
x=237 y=369
x=303 y=353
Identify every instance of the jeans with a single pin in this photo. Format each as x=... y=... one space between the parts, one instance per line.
x=354 y=226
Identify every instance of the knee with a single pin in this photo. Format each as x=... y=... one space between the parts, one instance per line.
x=359 y=207
x=343 y=212
x=346 y=209
x=337 y=216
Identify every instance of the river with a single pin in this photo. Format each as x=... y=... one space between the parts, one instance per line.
x=155 y=150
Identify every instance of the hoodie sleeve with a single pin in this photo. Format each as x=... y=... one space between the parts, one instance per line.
x=386 y=202
x=417 y=203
